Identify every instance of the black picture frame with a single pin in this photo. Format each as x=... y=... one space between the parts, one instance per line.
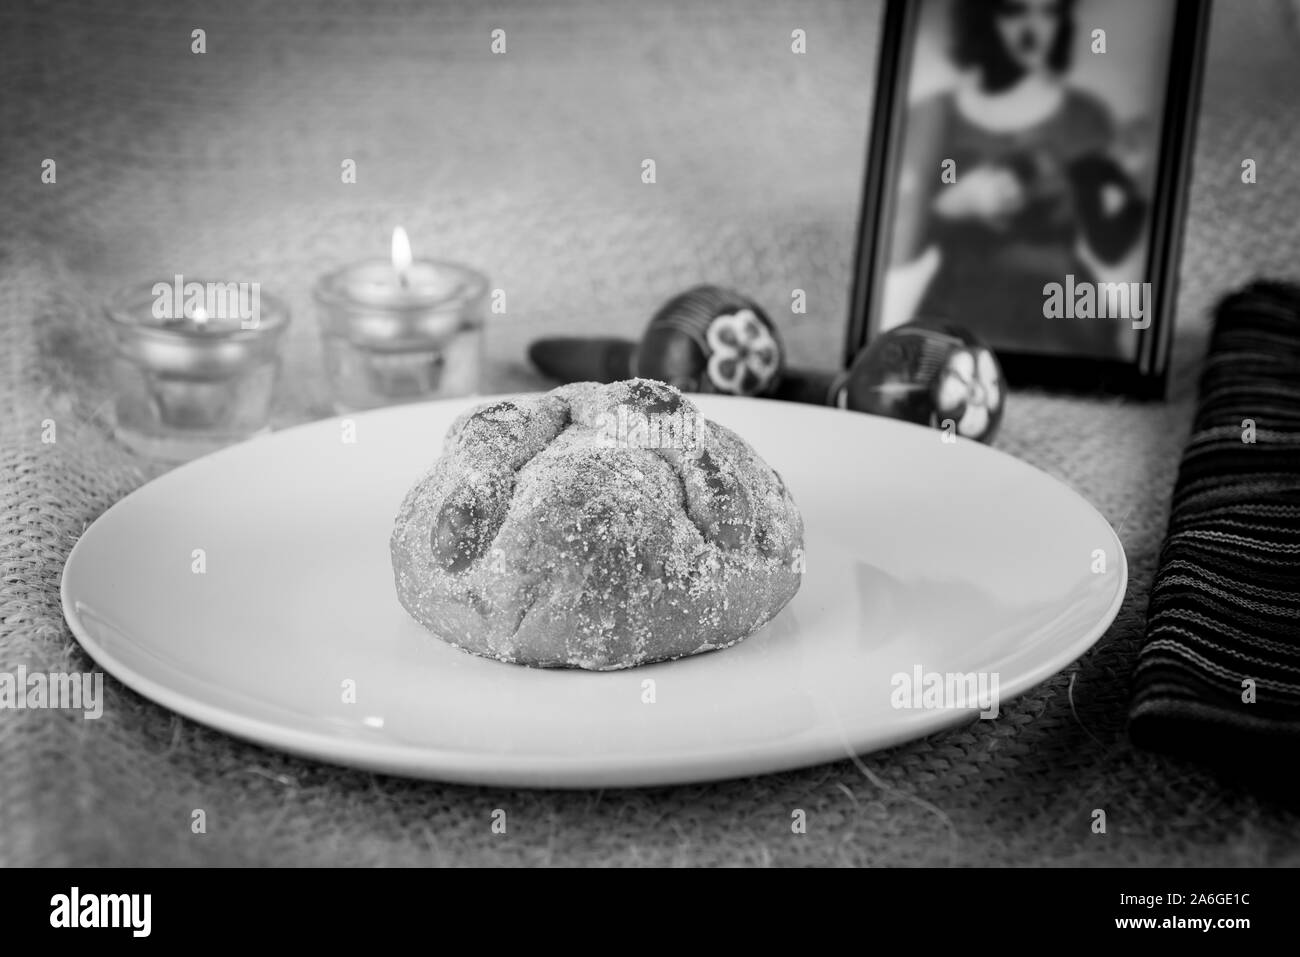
x=1147 y=374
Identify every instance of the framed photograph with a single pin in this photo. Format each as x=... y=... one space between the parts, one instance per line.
x=1026 y=180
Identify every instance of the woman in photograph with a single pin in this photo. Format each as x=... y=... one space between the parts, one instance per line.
x=1033 y=192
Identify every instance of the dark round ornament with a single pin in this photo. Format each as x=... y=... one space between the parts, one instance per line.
x=710 y=339
x=938 y=375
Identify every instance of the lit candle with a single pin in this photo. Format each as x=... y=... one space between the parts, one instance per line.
x=401 y=329
x=195 y=364
x=402 y=256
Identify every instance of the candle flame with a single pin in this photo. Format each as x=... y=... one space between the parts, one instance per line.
x=401 y=252
x=200 y=315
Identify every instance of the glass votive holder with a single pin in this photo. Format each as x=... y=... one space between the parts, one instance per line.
x=194 y=365
x=391 y=337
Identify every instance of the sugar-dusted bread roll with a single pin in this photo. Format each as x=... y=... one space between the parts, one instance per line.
x=596 y=526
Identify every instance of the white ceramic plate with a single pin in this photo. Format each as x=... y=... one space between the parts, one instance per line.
x=921 y=554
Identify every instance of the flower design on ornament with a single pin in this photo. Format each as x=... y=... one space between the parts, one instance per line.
x=969 y=391
x=743 y=354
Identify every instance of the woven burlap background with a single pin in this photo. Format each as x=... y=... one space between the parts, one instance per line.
x=529 y=165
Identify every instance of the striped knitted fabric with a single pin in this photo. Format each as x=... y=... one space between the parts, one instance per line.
x=1219 y=673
